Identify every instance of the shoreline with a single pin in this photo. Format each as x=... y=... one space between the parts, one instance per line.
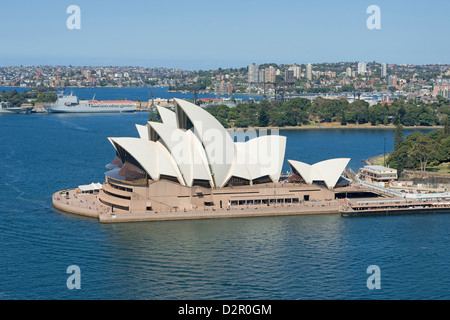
x=219 y=214
x=392 y=127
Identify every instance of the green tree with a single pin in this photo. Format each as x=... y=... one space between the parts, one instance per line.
x=398 y=136
x=154 y=116
x=378 y=114
x=263 y=118
x=343 y=119
x=357 y=112
x=443 y=150
x=424 y=149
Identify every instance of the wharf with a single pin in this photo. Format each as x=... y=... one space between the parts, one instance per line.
x=89 y=205
x=395 y=207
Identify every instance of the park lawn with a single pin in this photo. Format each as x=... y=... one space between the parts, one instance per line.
x=380 y=160
x=443 y=168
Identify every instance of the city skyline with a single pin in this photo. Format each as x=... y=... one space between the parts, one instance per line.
x=202 y=35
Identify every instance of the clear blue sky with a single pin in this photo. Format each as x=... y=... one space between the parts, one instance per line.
x=207 y=34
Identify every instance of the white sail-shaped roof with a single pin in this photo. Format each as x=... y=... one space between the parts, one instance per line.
x=143 y=131
x=200 y=164
x=328 y=171
x=241 y=162
x=259 y=157
x=152 y=157
x=167 y=165
x=303 y=169
x=183 y=150
x=176 y=143
x=167 y=116
x=192 y=146
x=217 y=142
x=267 y=152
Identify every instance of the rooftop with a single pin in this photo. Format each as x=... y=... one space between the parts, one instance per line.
x=379 y=168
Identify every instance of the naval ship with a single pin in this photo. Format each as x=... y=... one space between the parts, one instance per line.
x=8 y=107
x=71 y=104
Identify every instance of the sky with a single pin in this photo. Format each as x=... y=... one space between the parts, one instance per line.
x=208 y=34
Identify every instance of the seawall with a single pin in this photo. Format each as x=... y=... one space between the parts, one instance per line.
x=192 y=215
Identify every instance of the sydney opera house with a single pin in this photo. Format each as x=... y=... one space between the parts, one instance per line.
x=189 y=162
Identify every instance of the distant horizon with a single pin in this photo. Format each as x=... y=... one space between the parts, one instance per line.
x=207 y=35
x=222 y=67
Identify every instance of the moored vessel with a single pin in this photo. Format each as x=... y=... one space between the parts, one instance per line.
x=71 y=104
x=395 y=207
x=8 y=107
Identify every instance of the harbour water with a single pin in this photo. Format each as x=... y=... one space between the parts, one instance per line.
x=135 y=93
x=298 y=257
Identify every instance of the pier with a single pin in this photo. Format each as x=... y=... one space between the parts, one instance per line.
x=395 y=207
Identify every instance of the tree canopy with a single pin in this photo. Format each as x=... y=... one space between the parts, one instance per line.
x=302 y=111
x=418 y=150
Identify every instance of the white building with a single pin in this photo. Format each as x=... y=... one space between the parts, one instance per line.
x=297 y=71
x=383 y=69
x=309 y=72
x=349 y=72
x=362 y=67
x=270 y=74
x=253 y=73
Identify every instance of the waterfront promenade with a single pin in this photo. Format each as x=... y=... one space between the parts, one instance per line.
x=89 y=205
x=223 y=213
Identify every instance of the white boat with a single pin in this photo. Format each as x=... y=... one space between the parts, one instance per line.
x=8 y=107
x=71 y=104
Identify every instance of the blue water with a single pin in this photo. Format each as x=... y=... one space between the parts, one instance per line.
x=135 y=93
x=298 y=257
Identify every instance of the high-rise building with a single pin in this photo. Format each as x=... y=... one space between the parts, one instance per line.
x=309 y=71
x=224 y=88
x=383 y=69
x=270 y=74
x=289 y=76
x=349 y=72
x=297 y=71
x=362 y=67
x=442 y=89
x=253 y=73
x=86 y=73
x=262 y=76
x=392 y=81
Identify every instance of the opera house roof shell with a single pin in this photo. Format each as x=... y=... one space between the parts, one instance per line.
x=191 y=146
x=327 y=172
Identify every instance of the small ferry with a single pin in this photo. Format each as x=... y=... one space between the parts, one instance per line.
x=71 y=104
x=394 y=207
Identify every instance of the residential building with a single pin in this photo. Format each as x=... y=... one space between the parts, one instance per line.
x=349 y=72
x=270 y=74
x=362 y=68
x=309 y=72
x=442 y=90
x=392 y=81
x=253 y=73
x=383 y=69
